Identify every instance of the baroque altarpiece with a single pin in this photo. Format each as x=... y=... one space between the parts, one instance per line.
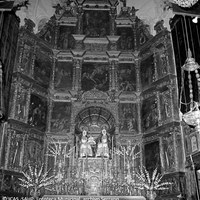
x=94 y=75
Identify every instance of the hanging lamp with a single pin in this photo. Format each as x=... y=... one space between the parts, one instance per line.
x=191 y=117
x=185 y=3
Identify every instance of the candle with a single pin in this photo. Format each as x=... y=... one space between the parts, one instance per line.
x=124 y=157
x=112 y=148
x=73 y=157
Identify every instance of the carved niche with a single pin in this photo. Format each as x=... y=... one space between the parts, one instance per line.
x=165 y=105
x=168 y=152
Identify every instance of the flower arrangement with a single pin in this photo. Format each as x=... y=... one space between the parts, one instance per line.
x=151 y=183
x=35 y=178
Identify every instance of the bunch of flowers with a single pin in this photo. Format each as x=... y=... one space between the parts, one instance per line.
x=151 y=183
x=35 y=178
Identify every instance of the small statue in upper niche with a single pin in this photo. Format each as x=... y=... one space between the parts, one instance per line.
x=102 y=148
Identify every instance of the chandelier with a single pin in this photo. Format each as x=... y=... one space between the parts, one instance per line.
x=185 y=3
x=191 y=76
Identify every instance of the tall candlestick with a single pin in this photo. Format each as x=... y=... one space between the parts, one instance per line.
x=73 y=157
x=112 y=148
x=124 y=158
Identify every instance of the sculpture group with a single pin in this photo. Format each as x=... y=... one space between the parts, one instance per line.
x=88 y=143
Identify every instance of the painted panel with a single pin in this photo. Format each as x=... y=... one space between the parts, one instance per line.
x=128 y=117
x=63 y=76
x=96 y=23
x=95 y=75
x=42 y=69
x=65 y=39
x=37 y=112
x=33 y=152
x=149 y=113
x=26 y=60
x=61 y=115
x=126 y=41
x=152 y=156
x=127 y=77
x=147 y=71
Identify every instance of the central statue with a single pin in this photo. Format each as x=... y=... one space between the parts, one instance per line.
x=102 y=148
x=88 y=143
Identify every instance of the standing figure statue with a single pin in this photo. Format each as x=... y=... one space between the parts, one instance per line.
x=102 y=148
x=85 y=147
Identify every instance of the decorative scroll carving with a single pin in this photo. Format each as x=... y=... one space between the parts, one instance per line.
x=94 y=94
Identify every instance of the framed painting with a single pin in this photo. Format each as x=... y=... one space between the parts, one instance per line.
x=128 y=117
x=147 y=71
x=65 y=39
x=149 y=113
x=126 y=41
x=26 y=60
x=152 y=156
x=127 y=77
x=34 y=152
x=95 y=75
x=96 y=23
x=42 y=69
x=63 y=76
x=37 y=112
x=61 y=117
